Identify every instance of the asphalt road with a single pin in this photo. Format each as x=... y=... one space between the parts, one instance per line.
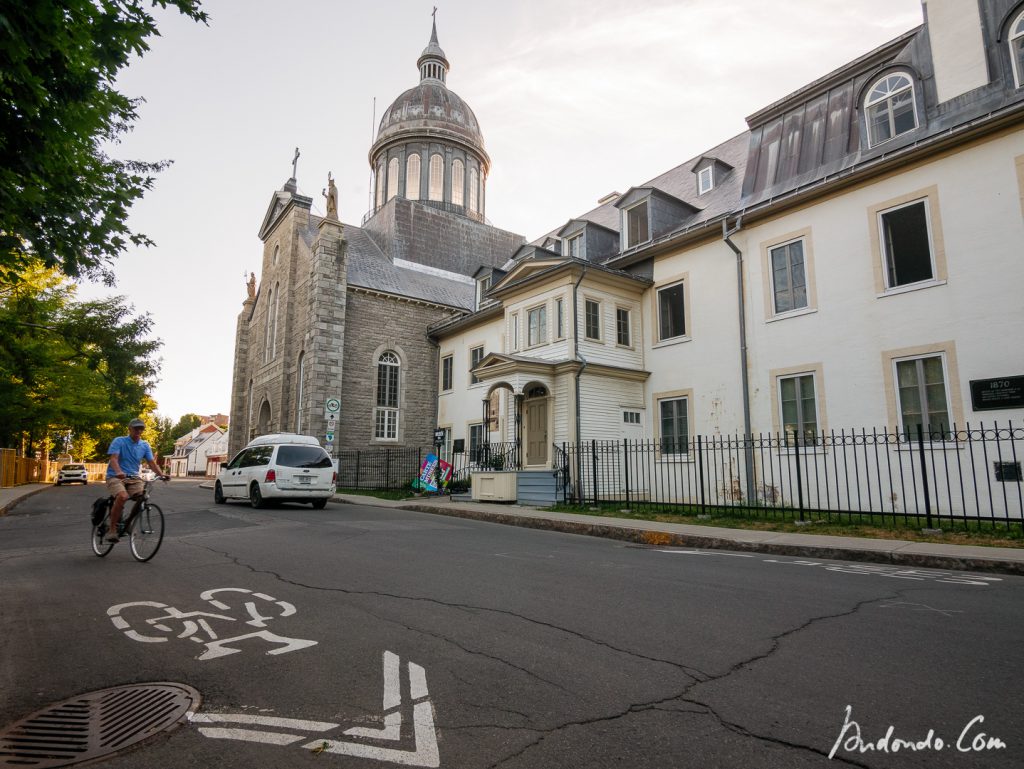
x=401 y=638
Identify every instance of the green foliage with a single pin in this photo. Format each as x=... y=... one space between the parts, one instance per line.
x=82 y=368
x=62 y=198
x=185 y=425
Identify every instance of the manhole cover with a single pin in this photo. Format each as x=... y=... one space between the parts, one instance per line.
x=95 y=724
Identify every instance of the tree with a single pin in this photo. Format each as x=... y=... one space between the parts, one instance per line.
x=62 y=198
x=83 y=368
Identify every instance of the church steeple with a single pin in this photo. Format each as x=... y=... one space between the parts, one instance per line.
x=432 y=62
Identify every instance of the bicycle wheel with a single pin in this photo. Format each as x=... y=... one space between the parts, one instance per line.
x=100 y=546
x=147 y=532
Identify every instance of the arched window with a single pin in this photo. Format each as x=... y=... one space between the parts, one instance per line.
x=392 y=178
x=385 y=417
x=270 y=323
x=300 y=375
x=1017 y=50
x=889 y=108
x=380 y=184
x=474 y=190
x=248 y=413
x=273 y=328
x=277 y=250
x=436 y=177
x=412 y=177
x=458 y=182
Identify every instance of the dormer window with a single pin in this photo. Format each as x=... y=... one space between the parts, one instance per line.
x=705 y=180
x=1017 y=50
x=889 y=108
x=574 y=246
x=483 y=285
x=637 y=225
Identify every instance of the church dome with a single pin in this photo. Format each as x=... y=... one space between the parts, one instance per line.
x=430 y=109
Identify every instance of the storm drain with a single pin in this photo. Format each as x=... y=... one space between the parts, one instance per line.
x=95 y=724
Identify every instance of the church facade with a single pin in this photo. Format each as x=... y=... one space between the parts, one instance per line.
x=341 y=311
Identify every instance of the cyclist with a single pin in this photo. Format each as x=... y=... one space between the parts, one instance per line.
x=123 y=481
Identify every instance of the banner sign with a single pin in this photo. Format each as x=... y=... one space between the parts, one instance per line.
x=431 y=465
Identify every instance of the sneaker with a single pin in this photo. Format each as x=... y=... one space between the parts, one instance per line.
x=112 y=537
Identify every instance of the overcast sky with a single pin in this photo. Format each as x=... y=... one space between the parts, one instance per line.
x=575 y=98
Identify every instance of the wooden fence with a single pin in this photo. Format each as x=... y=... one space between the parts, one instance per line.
x=15 y=470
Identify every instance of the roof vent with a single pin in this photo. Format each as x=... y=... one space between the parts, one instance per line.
x=609 y=198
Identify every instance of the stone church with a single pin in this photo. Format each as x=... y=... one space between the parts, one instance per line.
x=342 y=311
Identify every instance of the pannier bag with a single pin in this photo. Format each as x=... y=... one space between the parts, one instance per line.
x=99 y=509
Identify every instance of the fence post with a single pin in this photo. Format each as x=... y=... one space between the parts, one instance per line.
x=924 y=476
x=593 y=453
x=799 y=476
x=357 y=469
x=625 y=456
x=700 y=474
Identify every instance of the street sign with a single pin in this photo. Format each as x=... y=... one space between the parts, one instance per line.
x=330 y=436
x=438 y=436
x=332 y=406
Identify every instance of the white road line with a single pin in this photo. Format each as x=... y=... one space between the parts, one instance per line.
x=392 y=730
x=703 y=552
x=245 y=718
x=426 y=753
x=417 y=682
x=392 y=694
x=248 y=735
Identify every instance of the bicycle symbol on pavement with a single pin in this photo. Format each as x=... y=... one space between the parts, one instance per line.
x=198 y=626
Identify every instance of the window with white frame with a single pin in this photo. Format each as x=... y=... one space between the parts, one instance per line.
x=789 y=277
x=592 y=320
x=705 y=180
x=379 y=184
x=447 y=363
x=675 y=432
x=631 y=417
x=458 y=182
x=637 y=225
x=1016 y=40
x=412 y=177
x=574 y=246
x=537 y=325
x=560 y=318
x=392 y=178
x=514 y=321
x=476 y=441
x=622 y=329
x=906 y=244
x=445 y=448
x=483 y=285
x=672 y=311
x=923 y=397
x=386 y=412
x=798 y=407
x=889 y=108
x=436 y=191
x=476 y=355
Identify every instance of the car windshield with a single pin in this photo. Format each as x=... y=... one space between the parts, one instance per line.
x=72 y=467
x=303 y=456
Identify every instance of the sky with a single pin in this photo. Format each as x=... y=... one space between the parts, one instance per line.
x=575 y=98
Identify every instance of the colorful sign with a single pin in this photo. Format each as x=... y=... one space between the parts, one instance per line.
x=435 y=474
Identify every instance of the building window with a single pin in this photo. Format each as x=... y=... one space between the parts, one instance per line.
x=474 y=190
x=637 y=230
x=277 y=250
x=476 y=355
x=789 y=278
x=622 y=335
x=514 y=320
x=672 y=311
x=537 y=325
x=889 y=108
x=675 y=435
x=386 y=413
x=379 y=184
x=483 y=285
x=436 y=177
x=923 y=399
x=560 y=318
x=476 y=441
x=798 y=407
x=1017 y=50
x=592 y=320
x=300 y=376
x=574 y=246
x=631 y=417
x=446 y=373
x=392 y=178
x=458 y=182
x=906 y=245
x=705 y=180
x=412 y=177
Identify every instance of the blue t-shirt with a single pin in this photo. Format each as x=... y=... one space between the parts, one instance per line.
x=129 y=455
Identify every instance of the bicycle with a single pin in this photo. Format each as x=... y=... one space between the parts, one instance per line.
x=144 y=526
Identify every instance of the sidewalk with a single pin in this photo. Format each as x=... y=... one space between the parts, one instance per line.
x=1003 y=560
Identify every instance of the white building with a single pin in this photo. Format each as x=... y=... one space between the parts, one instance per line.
x=191 y=450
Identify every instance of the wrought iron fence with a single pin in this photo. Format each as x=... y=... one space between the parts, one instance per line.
x=380 y=469
x=969 y=474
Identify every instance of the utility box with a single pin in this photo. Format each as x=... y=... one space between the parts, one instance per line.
x=494 y=486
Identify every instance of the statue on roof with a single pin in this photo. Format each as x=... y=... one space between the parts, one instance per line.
x=331 y=193
x=251 y=285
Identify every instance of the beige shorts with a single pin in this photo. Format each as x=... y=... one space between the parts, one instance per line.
x=132 y=487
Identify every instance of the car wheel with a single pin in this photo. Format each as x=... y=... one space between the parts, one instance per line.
x=319 y=504
x=218 y=494
x=255 y=498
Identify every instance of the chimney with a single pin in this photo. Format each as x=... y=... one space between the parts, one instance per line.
x=958 y=49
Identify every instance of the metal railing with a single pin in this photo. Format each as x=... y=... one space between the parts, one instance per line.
x=967 y=474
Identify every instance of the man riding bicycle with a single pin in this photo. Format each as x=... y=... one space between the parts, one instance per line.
x=123 y=481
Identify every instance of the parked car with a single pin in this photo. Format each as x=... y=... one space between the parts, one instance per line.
x=146 y=474
x=72 y=474
x=281 y=467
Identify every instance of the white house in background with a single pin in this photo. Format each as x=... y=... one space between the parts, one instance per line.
x=853 y=260
x=191 y=450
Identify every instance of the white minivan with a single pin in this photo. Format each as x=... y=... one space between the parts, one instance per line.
x=281 y=467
